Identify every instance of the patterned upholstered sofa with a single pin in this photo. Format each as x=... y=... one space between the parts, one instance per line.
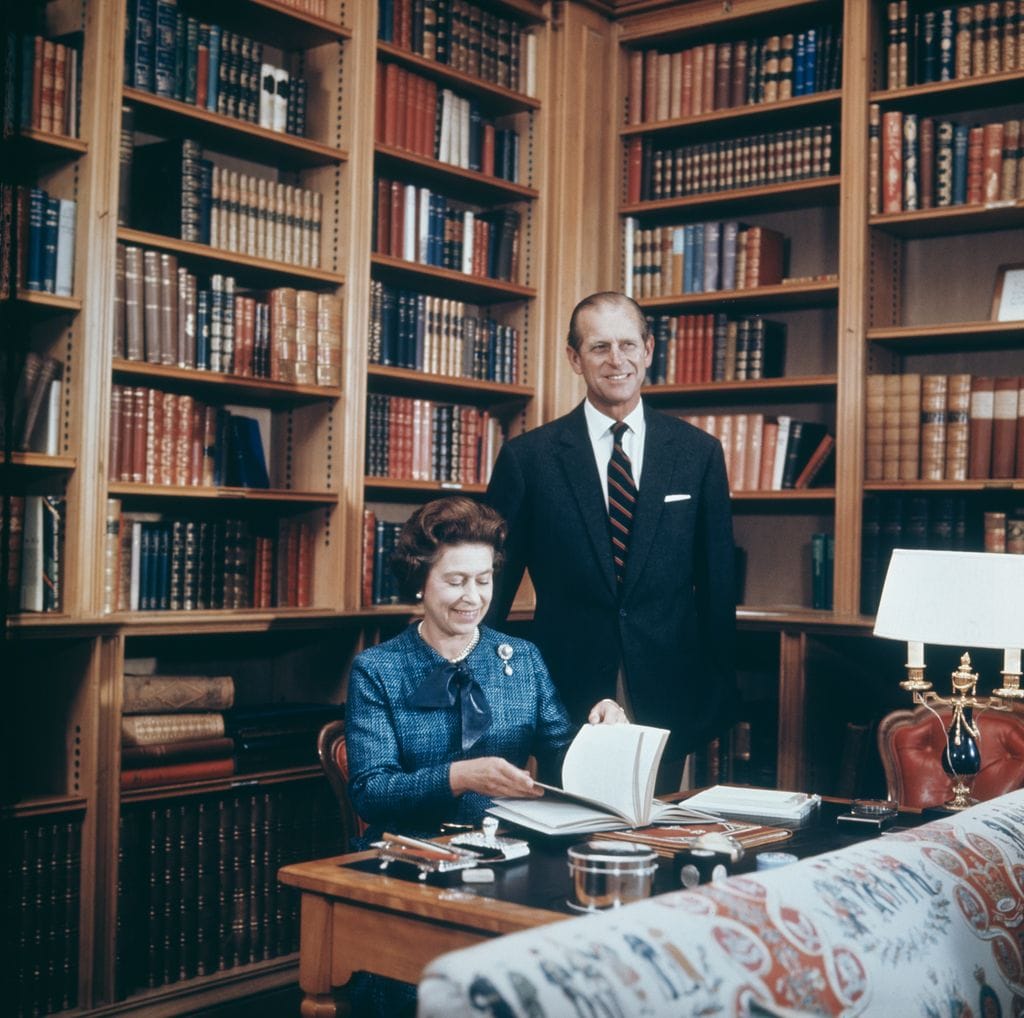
x=925 y=922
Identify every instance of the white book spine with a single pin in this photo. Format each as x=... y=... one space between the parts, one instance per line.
x=444 y=142
x=268 y=89
x=628 y=233
x=65 y=276
x=423 y=226
x=281 y=85
x=133 y=599
x=409 y=224
x=32 y=555
x=468 y=218
x=781 y=441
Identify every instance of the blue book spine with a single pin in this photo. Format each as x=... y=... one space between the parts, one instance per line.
x=438 y=216
x=810 y=61
x=928 y=47
x=688 y=258
x=205 y=199
x=162 y=593
x=698 y=257
x=385 y=28
x=492 y=349
x=961 y=136
x=165 y=47
x=37 y=204
x=213 y=71
x=191 y=57
x=145 y=568
x=144 y=22
x=419 y=333
x=800 y=64
x=180 y=55
x=203 y=329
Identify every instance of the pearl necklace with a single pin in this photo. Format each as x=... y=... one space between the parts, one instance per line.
x=470 y=647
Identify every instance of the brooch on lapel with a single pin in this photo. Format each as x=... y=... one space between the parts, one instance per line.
x=505 y=653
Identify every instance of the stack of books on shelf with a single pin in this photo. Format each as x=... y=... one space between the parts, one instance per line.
x=379 y=538
x=50 y=85
x=177 y=56
x=1004 y=532
x=919 y=162
x=45 y=244
x=664 y=85
x=464 y=36
x=414 y=114
x=421 y=440
x=41 y=861
x=35 y=414
x=422 y=226
x=654 y=173
x=172 y=729
x=440 y=336
x=701 y=258
x=35 y=557
x=771 y=454
x=172 y=438
x=715 y=348
x=943 y=427
x=949 y=42
x=160 y=562
x=197 y=888
x=275 y=736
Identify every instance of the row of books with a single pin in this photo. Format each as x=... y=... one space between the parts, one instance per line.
x=422 y=226
x=715 y=348
x=657 y=172
x=923 y=162
x=173 y=439
x=943 y=427
x=422 y=440
x=701 y=258
x=35 y=552
x=380 y=537
x=949 y=42
x=414 y=114
x=1004 y=532
x=664 y=85
x=40 y=256
x=154 y=562
x=465 y=36
x=162 y=315
x=771 y=453
x=49 y=80
x=440 y=336
x=35 y=417
x=40 y=939
x=197 y=887
x=215 y=205
x=823 y=555
x=177 y=56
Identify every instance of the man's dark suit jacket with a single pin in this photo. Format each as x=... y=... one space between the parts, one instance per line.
x=673 y=625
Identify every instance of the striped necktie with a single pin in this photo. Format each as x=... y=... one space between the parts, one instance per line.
x=621 y=501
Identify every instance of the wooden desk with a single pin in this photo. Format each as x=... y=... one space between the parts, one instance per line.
x=367 y=921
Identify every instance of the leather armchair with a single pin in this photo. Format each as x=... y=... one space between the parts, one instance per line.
x=333 y=753
x=910 y=743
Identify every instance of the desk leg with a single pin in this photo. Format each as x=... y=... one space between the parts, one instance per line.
x=315 y=962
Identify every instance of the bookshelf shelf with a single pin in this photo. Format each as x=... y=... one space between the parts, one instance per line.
x=45 y=303
x=809 y=386
x=986 y=484
x=214 y=258
x=986 y=335
x=447 y=282
x=794 y=194
x=787 y=495
x=281 y=24
x=951 y=220
x=264 y=495
x=383 y=378
x=45 y=145
x=473 y=186
x=986 y=90
x=172 y=118
x=220 y=784
x=261 y=390
x=808 y=619
x=48 y=805
x=784 y=295
x=499 y=99
x=42 y=461
x=417 y=489
x=822 y=105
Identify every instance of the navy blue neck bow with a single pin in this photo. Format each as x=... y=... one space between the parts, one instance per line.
x=449 y=683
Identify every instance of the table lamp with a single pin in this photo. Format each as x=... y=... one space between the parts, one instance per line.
x=956 y=599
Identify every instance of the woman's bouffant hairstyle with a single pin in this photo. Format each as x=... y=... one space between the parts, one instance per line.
x=439 y=525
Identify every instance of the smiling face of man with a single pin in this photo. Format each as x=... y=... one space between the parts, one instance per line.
x=611 y=357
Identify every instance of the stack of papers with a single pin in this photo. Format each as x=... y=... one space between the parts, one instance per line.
x=762 y=803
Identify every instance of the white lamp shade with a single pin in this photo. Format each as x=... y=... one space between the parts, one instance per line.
x=953 y=598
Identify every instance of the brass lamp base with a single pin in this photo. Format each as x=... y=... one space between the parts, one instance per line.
x=962 y=798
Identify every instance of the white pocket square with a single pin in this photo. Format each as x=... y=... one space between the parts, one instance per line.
x=676 y=498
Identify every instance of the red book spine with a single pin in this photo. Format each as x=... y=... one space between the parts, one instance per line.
x=975 y=161
x=116 y=434
x=174 y=774
x=892 y=161
x=992 y=162
x=979 y=456
x=1004 y=427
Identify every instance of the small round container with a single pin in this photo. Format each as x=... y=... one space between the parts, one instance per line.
x=773 y=860
x=606 y=874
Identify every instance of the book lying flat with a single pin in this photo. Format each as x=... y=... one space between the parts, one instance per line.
x=607 y=783
x=755 y=803
x=667 y=841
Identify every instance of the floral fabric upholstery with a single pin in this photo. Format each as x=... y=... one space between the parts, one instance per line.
x=925 y=922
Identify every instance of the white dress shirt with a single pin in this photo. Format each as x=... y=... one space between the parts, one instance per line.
x=599 y=428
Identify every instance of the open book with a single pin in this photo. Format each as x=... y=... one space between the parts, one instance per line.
x=607 y=784
x=756 y=803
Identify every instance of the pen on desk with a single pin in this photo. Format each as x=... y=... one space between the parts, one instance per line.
x=427 y=848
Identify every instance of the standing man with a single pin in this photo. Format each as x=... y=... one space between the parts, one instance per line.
x=622 y=516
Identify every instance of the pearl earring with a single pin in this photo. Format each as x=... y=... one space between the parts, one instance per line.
x=419 y=595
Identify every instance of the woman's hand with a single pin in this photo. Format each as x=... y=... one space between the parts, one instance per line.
x=492 y=776
x=607 y=712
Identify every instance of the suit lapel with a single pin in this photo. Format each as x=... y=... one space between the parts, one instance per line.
x=659 y=457
x=577 y=457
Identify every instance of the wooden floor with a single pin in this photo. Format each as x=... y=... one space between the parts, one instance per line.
x=282 y=1003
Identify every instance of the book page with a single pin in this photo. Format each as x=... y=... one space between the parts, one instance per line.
x=553 y=816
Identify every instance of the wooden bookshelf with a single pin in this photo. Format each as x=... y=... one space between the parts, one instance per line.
x=475 y=390
x=793 y=194
x=448 y=282
x=755 y=390
x=783 y=295
x=471 y=184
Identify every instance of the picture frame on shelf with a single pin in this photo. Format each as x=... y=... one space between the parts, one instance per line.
x=1008 y=296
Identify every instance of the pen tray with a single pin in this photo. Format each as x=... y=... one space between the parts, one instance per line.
x=389 y=852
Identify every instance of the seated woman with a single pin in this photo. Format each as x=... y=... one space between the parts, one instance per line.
x=443 y=717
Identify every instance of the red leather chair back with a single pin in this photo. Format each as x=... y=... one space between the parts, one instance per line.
x=334 y=760
x=911 y=742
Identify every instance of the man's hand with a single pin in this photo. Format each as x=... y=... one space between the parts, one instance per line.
x=492 y=776
x=607 y=712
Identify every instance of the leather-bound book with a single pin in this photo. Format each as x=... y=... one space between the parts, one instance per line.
x=723 y=74
x=975 y=165
x=979 y=461
x=926 y=163
x=892 y=161
x=1004 y=427
x=958 y=412
x=635 y=71
x=933 y=428
x=874 y=430
x=874 y=159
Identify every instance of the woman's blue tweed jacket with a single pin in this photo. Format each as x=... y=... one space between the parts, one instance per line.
x=399 y=755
